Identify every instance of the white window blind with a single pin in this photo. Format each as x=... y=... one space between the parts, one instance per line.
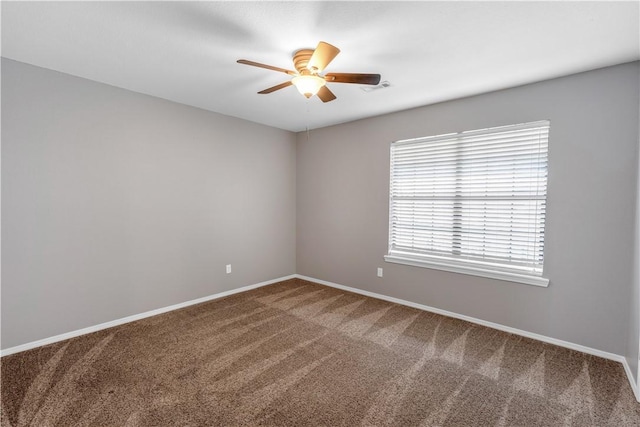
x=472 y=200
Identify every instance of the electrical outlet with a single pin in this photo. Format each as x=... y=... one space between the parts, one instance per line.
x=379 y=272
x=228 y=268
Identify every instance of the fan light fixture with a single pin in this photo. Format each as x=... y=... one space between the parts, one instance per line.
x=308 y=85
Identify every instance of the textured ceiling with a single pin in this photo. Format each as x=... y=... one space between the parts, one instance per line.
x=429 y=51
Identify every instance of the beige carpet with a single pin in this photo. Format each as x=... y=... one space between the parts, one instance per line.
x=301 y=354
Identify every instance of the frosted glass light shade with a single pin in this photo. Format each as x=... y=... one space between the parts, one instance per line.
x=308 y=85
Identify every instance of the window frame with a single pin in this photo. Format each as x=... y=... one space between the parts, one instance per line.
x=450 y=263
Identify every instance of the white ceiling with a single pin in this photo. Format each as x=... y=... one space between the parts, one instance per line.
x=429 y=51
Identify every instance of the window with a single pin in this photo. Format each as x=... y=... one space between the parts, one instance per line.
x=472 y=202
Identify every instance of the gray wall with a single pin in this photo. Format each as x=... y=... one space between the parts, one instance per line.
x=115 y=203
x=342 y=207
x=633 y=340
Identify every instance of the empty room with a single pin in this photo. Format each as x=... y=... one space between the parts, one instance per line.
x=320 y=213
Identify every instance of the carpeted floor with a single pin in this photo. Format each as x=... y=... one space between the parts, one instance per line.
x=301 y=354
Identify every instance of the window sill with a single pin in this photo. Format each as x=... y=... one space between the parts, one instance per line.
x=474 y=271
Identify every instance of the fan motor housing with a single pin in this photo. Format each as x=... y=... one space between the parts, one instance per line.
x=301 y=59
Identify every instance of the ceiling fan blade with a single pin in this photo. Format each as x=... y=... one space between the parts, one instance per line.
x=276 y=87
x=325 y=94
x=363 y=79
x=322 y=56
x=268 y=67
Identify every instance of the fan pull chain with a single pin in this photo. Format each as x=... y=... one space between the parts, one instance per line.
x=308 y=114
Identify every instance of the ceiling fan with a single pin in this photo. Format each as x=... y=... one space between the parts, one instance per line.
x=308 y=80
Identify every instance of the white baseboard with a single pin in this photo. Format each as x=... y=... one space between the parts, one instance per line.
x=112 y=323
x=538 y=337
